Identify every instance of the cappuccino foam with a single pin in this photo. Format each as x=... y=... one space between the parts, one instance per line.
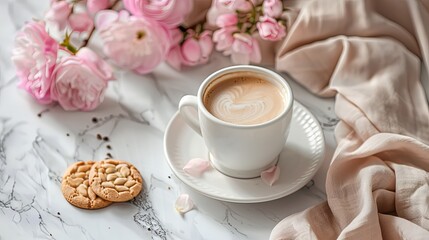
x=244 y=100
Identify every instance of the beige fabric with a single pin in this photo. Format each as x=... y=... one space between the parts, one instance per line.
x=368 y=54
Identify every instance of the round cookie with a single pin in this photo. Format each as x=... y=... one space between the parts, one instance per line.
x=76 y=189
x=115 y=180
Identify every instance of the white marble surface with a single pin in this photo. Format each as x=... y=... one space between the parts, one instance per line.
x=35 y=151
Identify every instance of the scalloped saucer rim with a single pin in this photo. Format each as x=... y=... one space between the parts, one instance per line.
x=299 y=161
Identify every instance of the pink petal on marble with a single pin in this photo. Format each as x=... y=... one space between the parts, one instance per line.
x=196 y=166
x=271 y=175
x=184 y=204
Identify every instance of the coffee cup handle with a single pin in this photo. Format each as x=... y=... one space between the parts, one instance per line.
x=191 y=118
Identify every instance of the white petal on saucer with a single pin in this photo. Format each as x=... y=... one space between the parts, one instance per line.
x=271 y=175
x=184 y=204
x=196 y=166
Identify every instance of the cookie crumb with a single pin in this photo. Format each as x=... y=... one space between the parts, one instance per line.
x=99 y=137
x=94 y=120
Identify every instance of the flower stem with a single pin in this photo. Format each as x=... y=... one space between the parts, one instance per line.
x=67 y=44
x=86 y=41
x=114 y=4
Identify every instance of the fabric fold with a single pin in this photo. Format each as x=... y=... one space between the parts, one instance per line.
x=368 y=55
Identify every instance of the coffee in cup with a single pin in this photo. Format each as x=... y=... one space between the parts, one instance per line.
x=244 y=99
x=243 y=115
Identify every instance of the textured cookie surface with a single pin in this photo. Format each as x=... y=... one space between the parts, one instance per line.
x=76 y=189
x=115 y=180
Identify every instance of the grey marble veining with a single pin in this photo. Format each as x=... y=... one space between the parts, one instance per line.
x=38 y=142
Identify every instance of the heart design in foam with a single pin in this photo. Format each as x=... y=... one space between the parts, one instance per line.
x=245 y=101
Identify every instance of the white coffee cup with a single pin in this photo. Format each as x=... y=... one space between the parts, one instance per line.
x=237 y=150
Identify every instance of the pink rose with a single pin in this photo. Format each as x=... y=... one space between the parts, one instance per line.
x=59 y=13
x=224 y=39
x=270 y=29
x=134 y=43
x=81 y=22
x=194 y=51
x=35 y=55
x=220 y=7
x=197 y=51
x=226 y=20
x=80 y=81
x=170 y=12
x=95 y=6
x=273 y=8
x=245 y=49
x=174 y=57
x=215 y=11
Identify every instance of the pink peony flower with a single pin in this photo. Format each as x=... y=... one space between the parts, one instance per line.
x=134 y=43
x=220 y=7
x=270 y=29
x=226 y=20
x=176 y=36
x=174 y=57
x=197 y=51
x=215 y=11
x=170 y=12
x=273 y=8
x=59 y=13
x=81 y=22
x=245 y=49
x=80 y=81
x=224 y=39
x=35 y=55
x=95 y=6
x=193 y=51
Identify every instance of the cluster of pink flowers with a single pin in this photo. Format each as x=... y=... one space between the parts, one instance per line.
x=242 y=22
x=135 y=35
x=76 y=81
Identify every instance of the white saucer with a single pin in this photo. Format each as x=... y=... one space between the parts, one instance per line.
x=300 y=159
